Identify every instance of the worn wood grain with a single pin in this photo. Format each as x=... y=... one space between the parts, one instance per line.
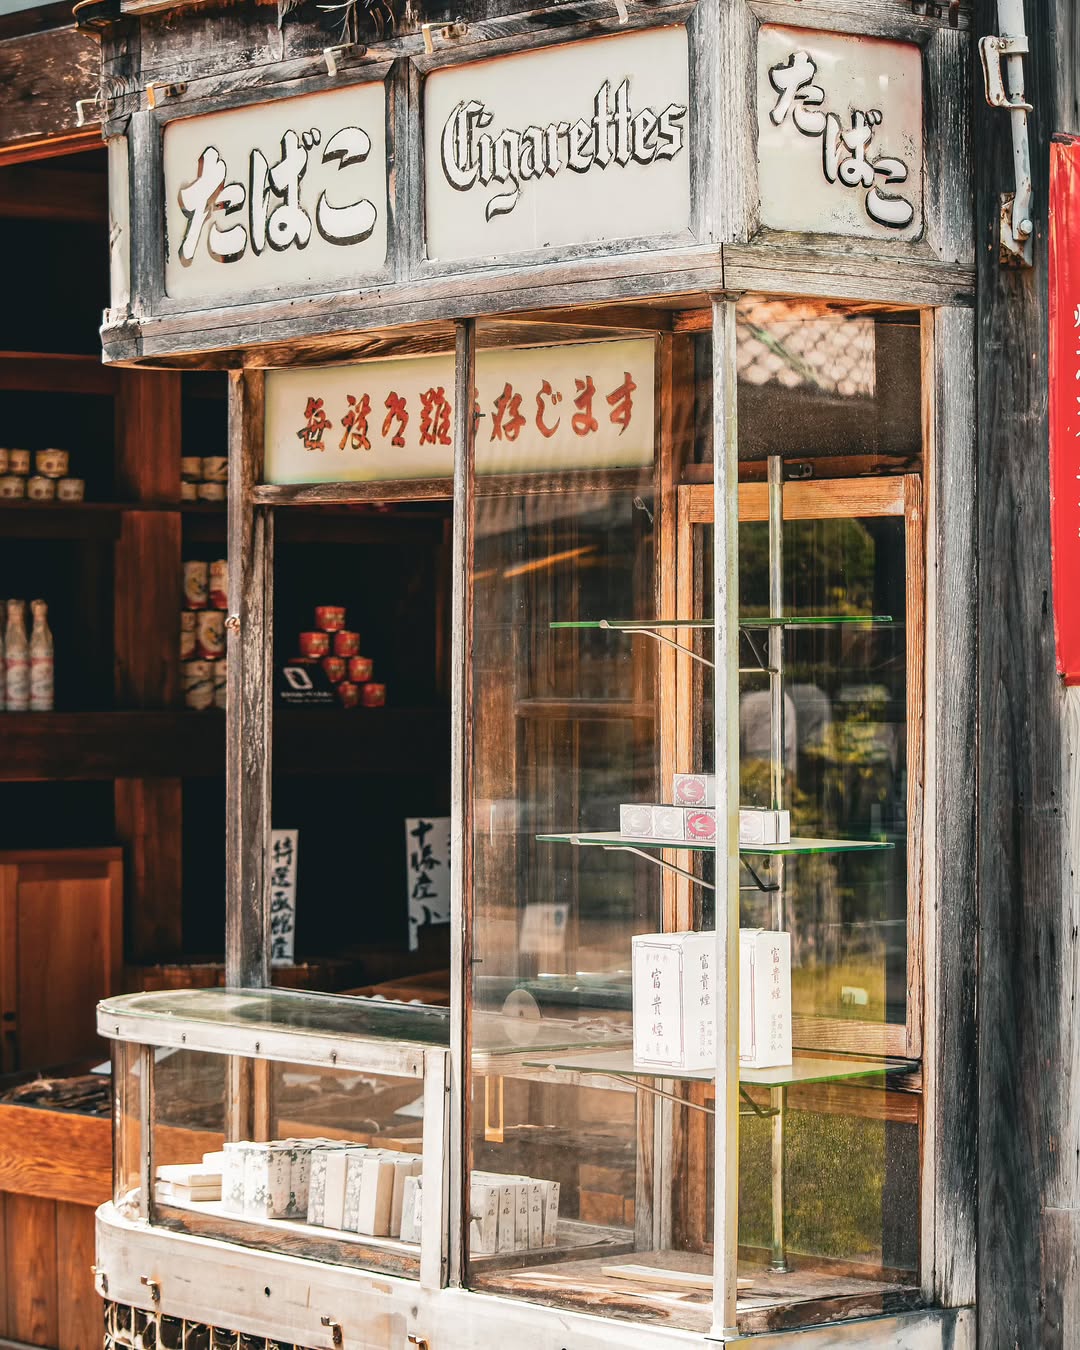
x=949 y=1028
x=49 y=372
x=1027 y=928
x=30 y=1225
x=41 y=76
x=146 y=626
x=250 y=686
x=948 y=100
x=77 y=1301
x=148 y=433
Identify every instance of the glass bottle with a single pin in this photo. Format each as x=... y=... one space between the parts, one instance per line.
x=41 y=659
x=17 y=658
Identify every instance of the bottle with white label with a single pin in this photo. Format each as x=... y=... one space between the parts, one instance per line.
x=17 y=658
x=41 y=659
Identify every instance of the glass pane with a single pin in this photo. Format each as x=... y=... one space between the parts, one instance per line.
x=127 y=1128
x=289 y=1157
x=567 y=1188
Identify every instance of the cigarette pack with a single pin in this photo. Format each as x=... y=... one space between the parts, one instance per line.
x=326 y=1183
x=673 y=994
x=268 y=1184
x=668 y=822
x=483 y=1216
x=699 y=823
x=369 y=1193
x=694 y=789
x=522 y=1196
x=536 y=1214
x=551 y=1212
x=412 y=1209
x=232 y=1182
x=405 y=1165
x=758 y=826
x=636 y=820
x=764 y=998
x=504 y=1241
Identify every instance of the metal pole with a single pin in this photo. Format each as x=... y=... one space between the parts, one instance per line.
x=726 y=731
x=777 y=736
x=461 y=784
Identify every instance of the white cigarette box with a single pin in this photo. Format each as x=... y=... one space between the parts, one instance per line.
x=636 y=820
x=536 y=1213
x=412 y=1209
x=668 y=822
x=326 y=1184
x=764 y=998
x=757 y=826
x=504 y=1241
x=484 y=1217
x=232 y=1180
x=694 y=789
x=551 y=1212
x=674 y=1007
x=405 y=1165
x=674 y=1002
x=376 y=1194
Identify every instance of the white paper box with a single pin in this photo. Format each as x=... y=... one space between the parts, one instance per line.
x=412 y=1209
x=674 y=1005
x=694 y=789
x=757 y=826
x=376 y=1194
x=551 y=1212
x=536 y=1213
x=699 y=822
x=507 y=1217
x=232 y=1180
x=636 y=820
x=668 y=822
x=484 y=1212
x=326 y=1183
x=405 y=1165
x=764 y=998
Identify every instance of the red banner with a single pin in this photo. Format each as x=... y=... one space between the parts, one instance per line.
x=1065 y=402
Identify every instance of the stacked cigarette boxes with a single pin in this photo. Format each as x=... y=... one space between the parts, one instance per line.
x=674 y=988
x=360 y=1190
x=691 y=816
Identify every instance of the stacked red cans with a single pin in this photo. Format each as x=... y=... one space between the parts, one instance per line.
x=337 y=650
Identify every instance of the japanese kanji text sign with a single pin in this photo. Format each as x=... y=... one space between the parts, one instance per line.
x=839 y=133
x=427 y=873
x=1065 y=403
x=285 y=194
x=574 y=144
x=283 y=845
x=584 y=406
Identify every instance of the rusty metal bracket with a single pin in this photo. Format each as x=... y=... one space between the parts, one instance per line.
x=335 y=1330
x=1003 y=76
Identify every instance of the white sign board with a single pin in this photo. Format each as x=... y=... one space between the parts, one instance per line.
x=283 y=845
x=575 y=144
x=586 y=406
x=427 y=873
x=839 y=133
x=284 y=194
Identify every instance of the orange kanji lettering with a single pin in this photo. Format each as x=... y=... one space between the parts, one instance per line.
x=507 y=419
x=355 y=423
x=621 y=402
x=583 y=420
x=546 y=391
x=435 y=411
x=395 y=405
x=315 y=423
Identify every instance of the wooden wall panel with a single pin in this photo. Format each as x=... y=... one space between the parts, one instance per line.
x=41 y=76
x=56 y=1155
x=30 y=1226
x=148 y=815
x=150 y=583
x=79 y=1309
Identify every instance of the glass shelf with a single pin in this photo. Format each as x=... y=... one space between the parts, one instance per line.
x=603 y=839
x=790 y=621
x=803 y=1068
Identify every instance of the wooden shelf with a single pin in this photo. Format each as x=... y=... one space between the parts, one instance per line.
x=100 y=520
x=96 y=746
x=56 y=373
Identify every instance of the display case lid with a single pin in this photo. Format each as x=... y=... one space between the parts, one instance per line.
x=283 y=1024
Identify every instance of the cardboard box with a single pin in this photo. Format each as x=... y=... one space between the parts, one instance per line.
x=699 y=823
x=636 y=819
x=694 y=789
x=412 y=1212
x=405 y=1165
x=328 y=1171
x=483 y=1216
x=764 y=998
x=757 y=826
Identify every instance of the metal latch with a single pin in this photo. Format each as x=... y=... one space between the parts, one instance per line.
x=1003 y=76
x=991 y=50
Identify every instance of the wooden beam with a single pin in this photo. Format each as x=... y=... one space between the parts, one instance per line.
x=41 y=77
x=30 y=193
x=148 y=815
x=250 y=693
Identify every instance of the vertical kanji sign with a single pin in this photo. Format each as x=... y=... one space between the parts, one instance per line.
x=1065 y=402
x=427 y=873
x=283 y=896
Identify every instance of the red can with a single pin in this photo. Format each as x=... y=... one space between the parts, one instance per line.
x=334 y=667
x=346 y=643
x=330 y=618
x=374 y=695
x=314 y=644
x=348 y=693
x=360 y=669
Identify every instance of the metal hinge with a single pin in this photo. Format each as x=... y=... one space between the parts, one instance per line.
x=1003 y=77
